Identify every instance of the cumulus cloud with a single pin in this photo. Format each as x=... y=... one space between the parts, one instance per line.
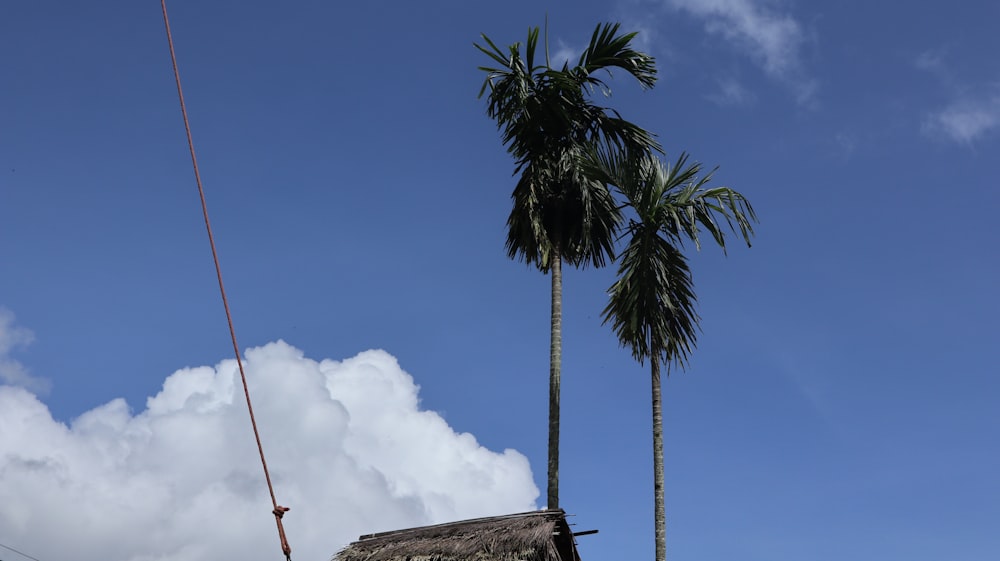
x=773 y=40
x=349 y=448
x=12 y=372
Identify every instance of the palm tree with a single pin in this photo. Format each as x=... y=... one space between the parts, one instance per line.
x=548 y=121
x=651 y=306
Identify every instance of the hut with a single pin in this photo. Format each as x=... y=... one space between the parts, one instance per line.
x=531 y=536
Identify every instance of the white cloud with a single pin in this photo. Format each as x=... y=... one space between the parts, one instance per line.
x=350 y=451
x=773 y=40
x=971 y=113
x=965 y=120
x=931 y=60
x=732 y=92
x=13 y=372
x=846 y=143
x=564 y=54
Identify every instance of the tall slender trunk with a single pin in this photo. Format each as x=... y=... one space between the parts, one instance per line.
x=659 y=512
x=555 y=373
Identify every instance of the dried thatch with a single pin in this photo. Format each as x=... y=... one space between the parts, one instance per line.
x=531 y=536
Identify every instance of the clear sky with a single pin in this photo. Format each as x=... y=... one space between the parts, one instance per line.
x=842 y=403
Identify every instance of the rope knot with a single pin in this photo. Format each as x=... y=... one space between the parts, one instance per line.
x=279 y=512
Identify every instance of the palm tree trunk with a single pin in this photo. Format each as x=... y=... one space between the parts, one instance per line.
x=659 y=512
x=555 y=373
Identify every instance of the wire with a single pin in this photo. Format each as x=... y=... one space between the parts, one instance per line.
x=278 y=511
x=21 y=553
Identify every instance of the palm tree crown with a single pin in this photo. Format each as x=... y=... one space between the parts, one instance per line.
x=651 y=305
x=547 y=122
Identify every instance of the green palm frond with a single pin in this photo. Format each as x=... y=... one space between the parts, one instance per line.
x=547 y=119
x=651 y=306
x=556 y=204
x=607 y=49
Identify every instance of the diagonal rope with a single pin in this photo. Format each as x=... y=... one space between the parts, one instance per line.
x=278 y=511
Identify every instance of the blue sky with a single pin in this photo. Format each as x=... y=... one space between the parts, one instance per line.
x=842 y=399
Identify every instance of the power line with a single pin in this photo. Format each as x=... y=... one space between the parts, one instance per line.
x=21 y=553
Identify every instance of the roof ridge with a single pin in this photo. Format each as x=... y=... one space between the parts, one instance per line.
x=558 y=513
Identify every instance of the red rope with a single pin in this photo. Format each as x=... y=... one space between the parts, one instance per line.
x=278 y=511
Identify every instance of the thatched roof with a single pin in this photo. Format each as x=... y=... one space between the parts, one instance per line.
x=530 y=536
